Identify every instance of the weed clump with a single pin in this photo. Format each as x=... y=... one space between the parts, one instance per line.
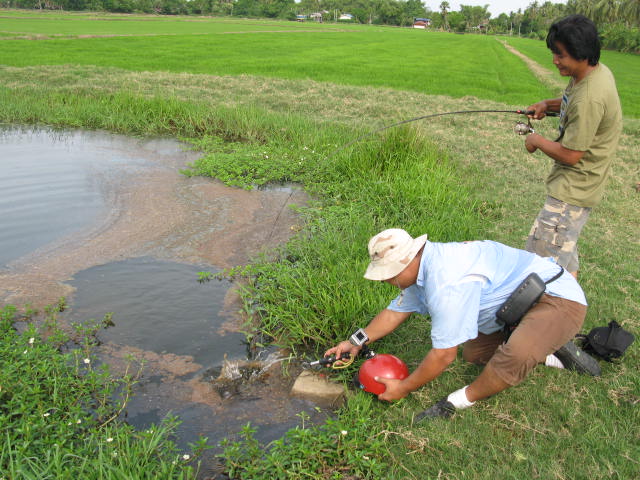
x=59 y=413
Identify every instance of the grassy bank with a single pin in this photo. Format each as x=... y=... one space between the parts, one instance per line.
x=456 y=178
x=60 y=412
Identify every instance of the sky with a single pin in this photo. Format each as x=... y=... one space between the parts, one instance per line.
x=496 y=7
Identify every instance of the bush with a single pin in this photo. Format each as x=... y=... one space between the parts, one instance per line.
x=619 y=37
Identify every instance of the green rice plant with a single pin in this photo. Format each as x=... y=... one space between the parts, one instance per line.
x=91 y=23
x=482 y=66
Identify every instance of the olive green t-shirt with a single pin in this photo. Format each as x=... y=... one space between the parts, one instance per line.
x=590 y=122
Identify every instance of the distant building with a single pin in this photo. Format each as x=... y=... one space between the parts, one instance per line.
x=421 y=22
x=347 y=17
x=316 y=17
x=301 y=18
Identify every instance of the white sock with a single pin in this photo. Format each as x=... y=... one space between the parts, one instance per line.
x=459 y=398
x=553 y=361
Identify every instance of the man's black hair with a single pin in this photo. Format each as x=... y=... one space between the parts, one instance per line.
x=578 y=35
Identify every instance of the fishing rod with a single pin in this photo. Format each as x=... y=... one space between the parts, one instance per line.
x=521 y=128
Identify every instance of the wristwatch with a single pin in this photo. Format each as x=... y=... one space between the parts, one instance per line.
x=358 y=338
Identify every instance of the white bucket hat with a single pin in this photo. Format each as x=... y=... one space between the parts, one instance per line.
x=391 y=251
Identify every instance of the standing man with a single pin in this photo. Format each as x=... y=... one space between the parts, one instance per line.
x=590 y=127
x=461 y=286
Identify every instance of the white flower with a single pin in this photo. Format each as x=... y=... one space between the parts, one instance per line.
x=24 y=353
x=109 y=440
x=115 y=454
x=185 y=457
x=365 y=457
x=46 y=414
x=87 y=361
x=78 y=421
x=344 y=432
x=31 y=340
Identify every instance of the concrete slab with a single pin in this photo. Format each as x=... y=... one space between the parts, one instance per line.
x=317 y=388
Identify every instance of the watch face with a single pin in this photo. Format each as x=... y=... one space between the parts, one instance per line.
x=360 y=336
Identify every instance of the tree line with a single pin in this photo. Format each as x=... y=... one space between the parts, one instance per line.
x=617 y=20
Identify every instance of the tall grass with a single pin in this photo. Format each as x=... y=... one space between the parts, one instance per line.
x=401 y=181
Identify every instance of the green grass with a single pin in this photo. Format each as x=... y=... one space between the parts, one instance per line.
x=625 y=67
x=28 y=23
x=59 y=413
x=456 y=178
x=369 y=57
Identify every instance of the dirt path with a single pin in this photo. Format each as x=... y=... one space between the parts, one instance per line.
x=543 y=74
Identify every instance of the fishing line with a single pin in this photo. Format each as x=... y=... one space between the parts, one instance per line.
x=433 y=115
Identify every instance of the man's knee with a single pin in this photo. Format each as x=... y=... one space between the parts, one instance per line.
x=473 y=357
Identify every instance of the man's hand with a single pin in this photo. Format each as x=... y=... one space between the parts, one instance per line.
x=395 y=389
x=344 y=346
x=531 y=142
x=538 y=109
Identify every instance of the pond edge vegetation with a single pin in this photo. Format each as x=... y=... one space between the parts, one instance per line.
x=314 y=292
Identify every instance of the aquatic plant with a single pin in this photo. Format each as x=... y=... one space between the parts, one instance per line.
x=59 y=414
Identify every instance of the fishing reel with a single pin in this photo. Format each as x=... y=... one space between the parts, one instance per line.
x=344 y=361
x=521 y=128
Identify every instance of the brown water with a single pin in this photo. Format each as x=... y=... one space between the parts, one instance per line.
x=109 y=222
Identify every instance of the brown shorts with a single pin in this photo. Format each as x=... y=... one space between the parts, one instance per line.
x=556 y=230
x=551 y=323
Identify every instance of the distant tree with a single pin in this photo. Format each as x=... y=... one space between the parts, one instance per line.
x=631 y=12
x=457 y=21
x=475 y=16
x=444 y=11
x=414 y=8
x=605 y=11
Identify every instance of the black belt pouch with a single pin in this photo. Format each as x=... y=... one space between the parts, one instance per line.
x=521 y=300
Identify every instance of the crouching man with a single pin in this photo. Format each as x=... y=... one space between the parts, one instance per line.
x=461 y=286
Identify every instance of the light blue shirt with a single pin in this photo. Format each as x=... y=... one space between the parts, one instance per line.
x=462 y=285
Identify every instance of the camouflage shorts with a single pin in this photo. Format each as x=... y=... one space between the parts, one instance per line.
x=556 y=230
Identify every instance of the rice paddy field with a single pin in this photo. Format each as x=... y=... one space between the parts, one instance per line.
x=277 y=102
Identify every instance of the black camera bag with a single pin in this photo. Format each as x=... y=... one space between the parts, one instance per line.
x=525 y=296
x=521 y=300
x=607 y=342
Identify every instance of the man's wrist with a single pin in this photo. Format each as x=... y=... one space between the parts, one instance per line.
x=358 y=338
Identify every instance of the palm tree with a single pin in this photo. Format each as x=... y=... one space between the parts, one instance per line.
x=583 y=7
x=631 y=10
x=444 y=10
x=605 y=11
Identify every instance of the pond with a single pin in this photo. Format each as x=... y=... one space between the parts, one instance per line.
x=109 y=223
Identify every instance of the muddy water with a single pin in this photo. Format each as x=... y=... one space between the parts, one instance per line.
x=109 y=222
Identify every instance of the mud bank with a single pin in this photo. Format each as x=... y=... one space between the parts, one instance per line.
x=149 y=210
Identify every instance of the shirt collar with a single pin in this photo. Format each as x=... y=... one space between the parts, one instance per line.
x=427 y=252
